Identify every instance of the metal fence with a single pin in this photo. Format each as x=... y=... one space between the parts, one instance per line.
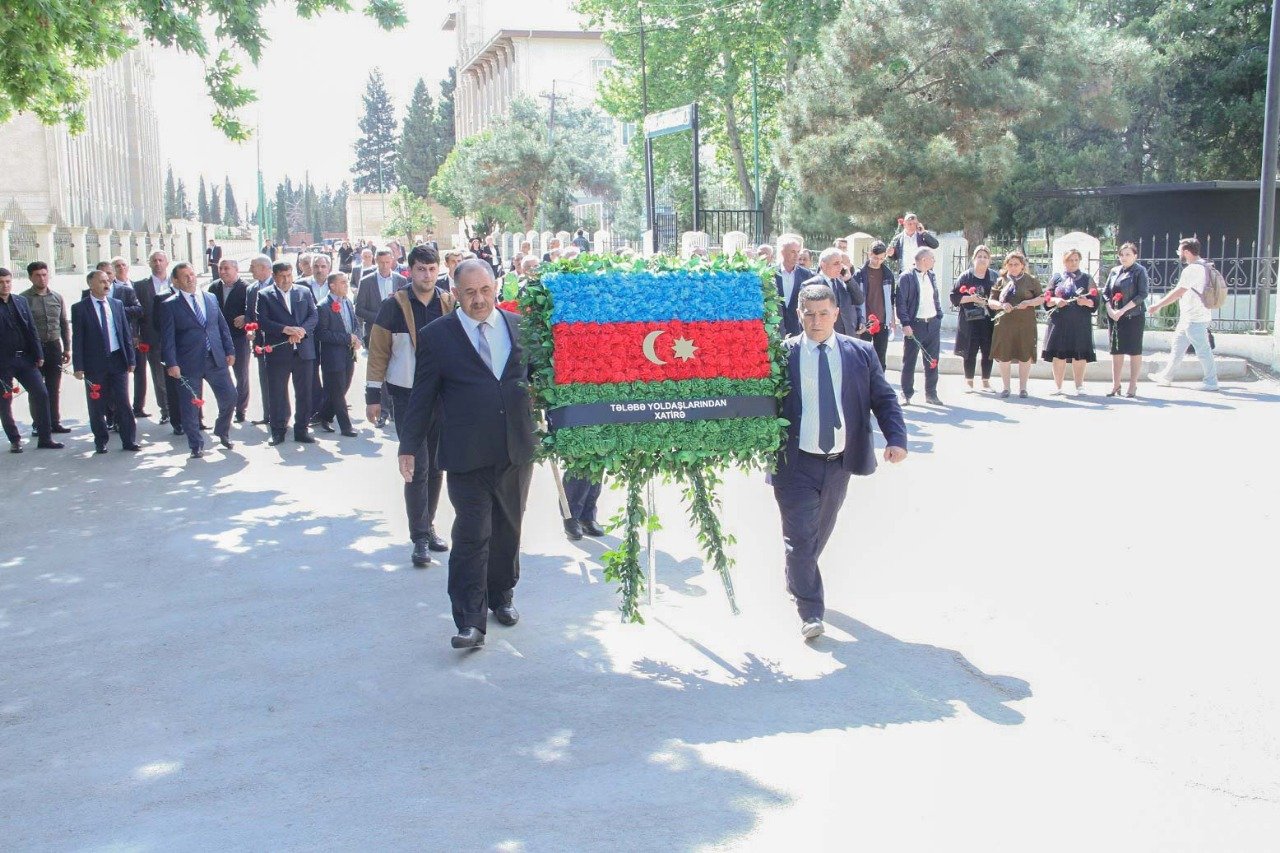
x=1249 y=308
x=717 y=223
x=64 y=253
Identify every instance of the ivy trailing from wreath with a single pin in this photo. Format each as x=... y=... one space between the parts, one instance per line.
x=593 y=305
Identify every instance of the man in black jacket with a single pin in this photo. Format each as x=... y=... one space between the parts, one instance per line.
x=151 y=291
x=472 y=374
x=909 y=240
x=336 y=327
x=788 y=278
x=232 y=293
x=21 y=358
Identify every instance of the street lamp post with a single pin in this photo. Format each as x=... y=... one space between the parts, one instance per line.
x=1267 y=185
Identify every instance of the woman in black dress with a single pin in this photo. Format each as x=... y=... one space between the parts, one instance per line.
x=1125 y=298
x=969 y=295
x=1072 y=298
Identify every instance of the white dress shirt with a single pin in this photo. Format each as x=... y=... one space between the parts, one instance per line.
x=385 y=285
x=161 y=285
x=286 y=297
x=809 y=393
x=909 y=247
x=113 y=339
x=788 y=283
x=926 y=311
x=319 y=289
x=496 y=334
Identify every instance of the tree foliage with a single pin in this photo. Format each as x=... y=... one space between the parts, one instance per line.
x=202 y=202
x=231 y=213
x=408 y=216
x=375 y=166
x=513 y=171
x=170 y=196
x=47 y=48
x=427 y=135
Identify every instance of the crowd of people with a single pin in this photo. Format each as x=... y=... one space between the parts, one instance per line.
x=305 y=325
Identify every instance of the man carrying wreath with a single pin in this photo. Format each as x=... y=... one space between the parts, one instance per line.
x=836 y=384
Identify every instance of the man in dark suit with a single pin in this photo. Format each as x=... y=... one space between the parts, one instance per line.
x=336 y=336
x=385 y=281
x=920 y=311
x=849 y=299
x=212 y=257
x=287 y=315
x=102 y=356
x=232 y=294
x=151 y=291
x=21 y=358
x=836 y=384
x=789 y=277
x=198 y=349
x=260 y=272
x=486 y=444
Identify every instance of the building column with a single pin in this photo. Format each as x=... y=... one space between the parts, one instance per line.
x=6 y=257
x=104 y=243
x=139 y=247
x=157 y=243
x=79 y=248
x=44 y=246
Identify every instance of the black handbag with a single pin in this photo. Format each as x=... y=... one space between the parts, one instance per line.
x=974 y=312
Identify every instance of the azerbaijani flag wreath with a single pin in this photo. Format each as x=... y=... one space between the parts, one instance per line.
x=654 y=368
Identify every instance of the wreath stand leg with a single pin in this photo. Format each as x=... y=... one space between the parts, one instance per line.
x=652 y=556
x=704 y=513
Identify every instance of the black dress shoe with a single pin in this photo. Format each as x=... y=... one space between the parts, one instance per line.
x=138 y=413
x=350 y=433
x=133 y=447
x=100 y=449
x=304 y=438
x=573 y=529
x=177 y=431
x=263 y=422
x=164 y=419
x=197 y=454
x=50 y=445
x=326 y=426
x=203 y=427
x=434 y=542
x=933 y=400
x=225 y=441
x=382 y=421
x=276 y=438
x=239 y=417
x=421 y=554
x=590 y=528
x=507 y=615
x=468 y=638
x=15 y=447
x=59 y=428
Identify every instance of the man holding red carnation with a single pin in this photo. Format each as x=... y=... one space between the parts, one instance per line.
x=102 y=356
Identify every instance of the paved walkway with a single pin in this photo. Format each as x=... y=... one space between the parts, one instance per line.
x=1052 y=628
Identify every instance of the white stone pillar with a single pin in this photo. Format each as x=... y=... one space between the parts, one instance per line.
x=80 y=248
x=44 y=246
x=691 y=240
x=139 y=254
x=646 y=244
x=6 y=256
x=601 y=242
x=195 y=247
x=734 y=242
x=103 y=236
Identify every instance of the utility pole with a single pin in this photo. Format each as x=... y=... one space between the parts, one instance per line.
x=650 y=216
x=1267 y=186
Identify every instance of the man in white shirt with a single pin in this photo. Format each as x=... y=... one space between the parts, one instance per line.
x=1193 y=318
x=910 y=240
x=788 y=278
x=919 y=308
x=151 y=291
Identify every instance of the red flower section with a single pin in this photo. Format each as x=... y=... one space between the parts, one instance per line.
x=873 y=325
x=335 y=307
x=197 y=402
x=251 y=327
x=620 y=352
x=94 y=395
x=144 y=348
x=510 y=305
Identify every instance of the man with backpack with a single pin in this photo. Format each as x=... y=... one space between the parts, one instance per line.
x=1200 y=289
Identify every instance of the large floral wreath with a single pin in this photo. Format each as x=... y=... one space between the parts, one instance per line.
x=652 y=368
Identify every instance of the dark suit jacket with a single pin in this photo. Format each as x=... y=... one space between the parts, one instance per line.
x=88 y=348
x=332 y=336
x=183 y=337
x=924 y=239
x=849 y=299
x=30 y=343
x=863 y=390
x=232 y=303
x=791 y=322
x=149 y=319
x=369 y=299
x=907 y=301
x=482 y=422
x=273 y=316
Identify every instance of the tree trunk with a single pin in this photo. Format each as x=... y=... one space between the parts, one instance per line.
x=745 y=182
x=975 y=233
x=771 y=185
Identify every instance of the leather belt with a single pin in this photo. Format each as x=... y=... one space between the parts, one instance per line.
x=825 y=457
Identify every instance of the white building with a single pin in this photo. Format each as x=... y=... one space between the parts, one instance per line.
x=110 y=176
x=508 y=48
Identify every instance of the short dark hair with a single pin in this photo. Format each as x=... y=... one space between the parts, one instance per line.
x=1191 y=244
x=816 y=293
x=280 y=266
x=4 y=273
x=422 y=255
x=878 y=248
x=36 y=265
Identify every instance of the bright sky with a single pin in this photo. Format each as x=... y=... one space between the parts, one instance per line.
x=309 y=86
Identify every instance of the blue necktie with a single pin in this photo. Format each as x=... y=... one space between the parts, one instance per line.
x=828 y=412
x=106 y=330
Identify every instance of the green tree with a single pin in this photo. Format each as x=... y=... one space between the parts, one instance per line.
x=929 y=121
x=706 y=53
x=375 y=166
x=339 y=220
x=75 y=37
x=444 y=134
x=414 y=160
x=202 y=202
x=408 y=216
x=170 y=196
x=183 y=204
x=231 y=214
x=514 y=170
x=282 y=215
x=215 y=205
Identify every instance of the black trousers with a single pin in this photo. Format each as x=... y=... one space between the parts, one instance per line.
x=880 y=340
x=281 y=370
x=51 y=372
x=971 y=358
x=927 y=334
x=218 y=378
x=24 y=371
x=337 y=381
x=150 y=361
x=484 y=563
x=112 y=405
x=264 y=388
x=422 y=495
x=809 y=492
x=583 y=495
x=240 y=373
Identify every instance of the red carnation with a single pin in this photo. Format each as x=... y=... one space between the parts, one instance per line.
x=197 y=402
x=267 y=348
x=509 y=305
x=94 y=395
x=257 y=350
x=933 y=364
x=1093 y=291
x=251 y=327
x=335 y=307
x=7 y=395
x=95 y=387
x=1118 y=298
x=16 y=390
x=144 y=348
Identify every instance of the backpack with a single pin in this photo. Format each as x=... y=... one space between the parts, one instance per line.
x=1215 y=286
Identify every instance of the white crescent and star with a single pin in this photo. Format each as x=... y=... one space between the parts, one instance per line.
x=683 y=347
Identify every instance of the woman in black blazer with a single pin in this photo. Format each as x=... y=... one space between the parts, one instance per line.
x=970 y=295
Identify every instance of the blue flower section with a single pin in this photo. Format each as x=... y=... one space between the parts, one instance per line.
x=648 y=297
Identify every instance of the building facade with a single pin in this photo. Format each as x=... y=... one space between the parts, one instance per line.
x=110 y=176
x=510 y=48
